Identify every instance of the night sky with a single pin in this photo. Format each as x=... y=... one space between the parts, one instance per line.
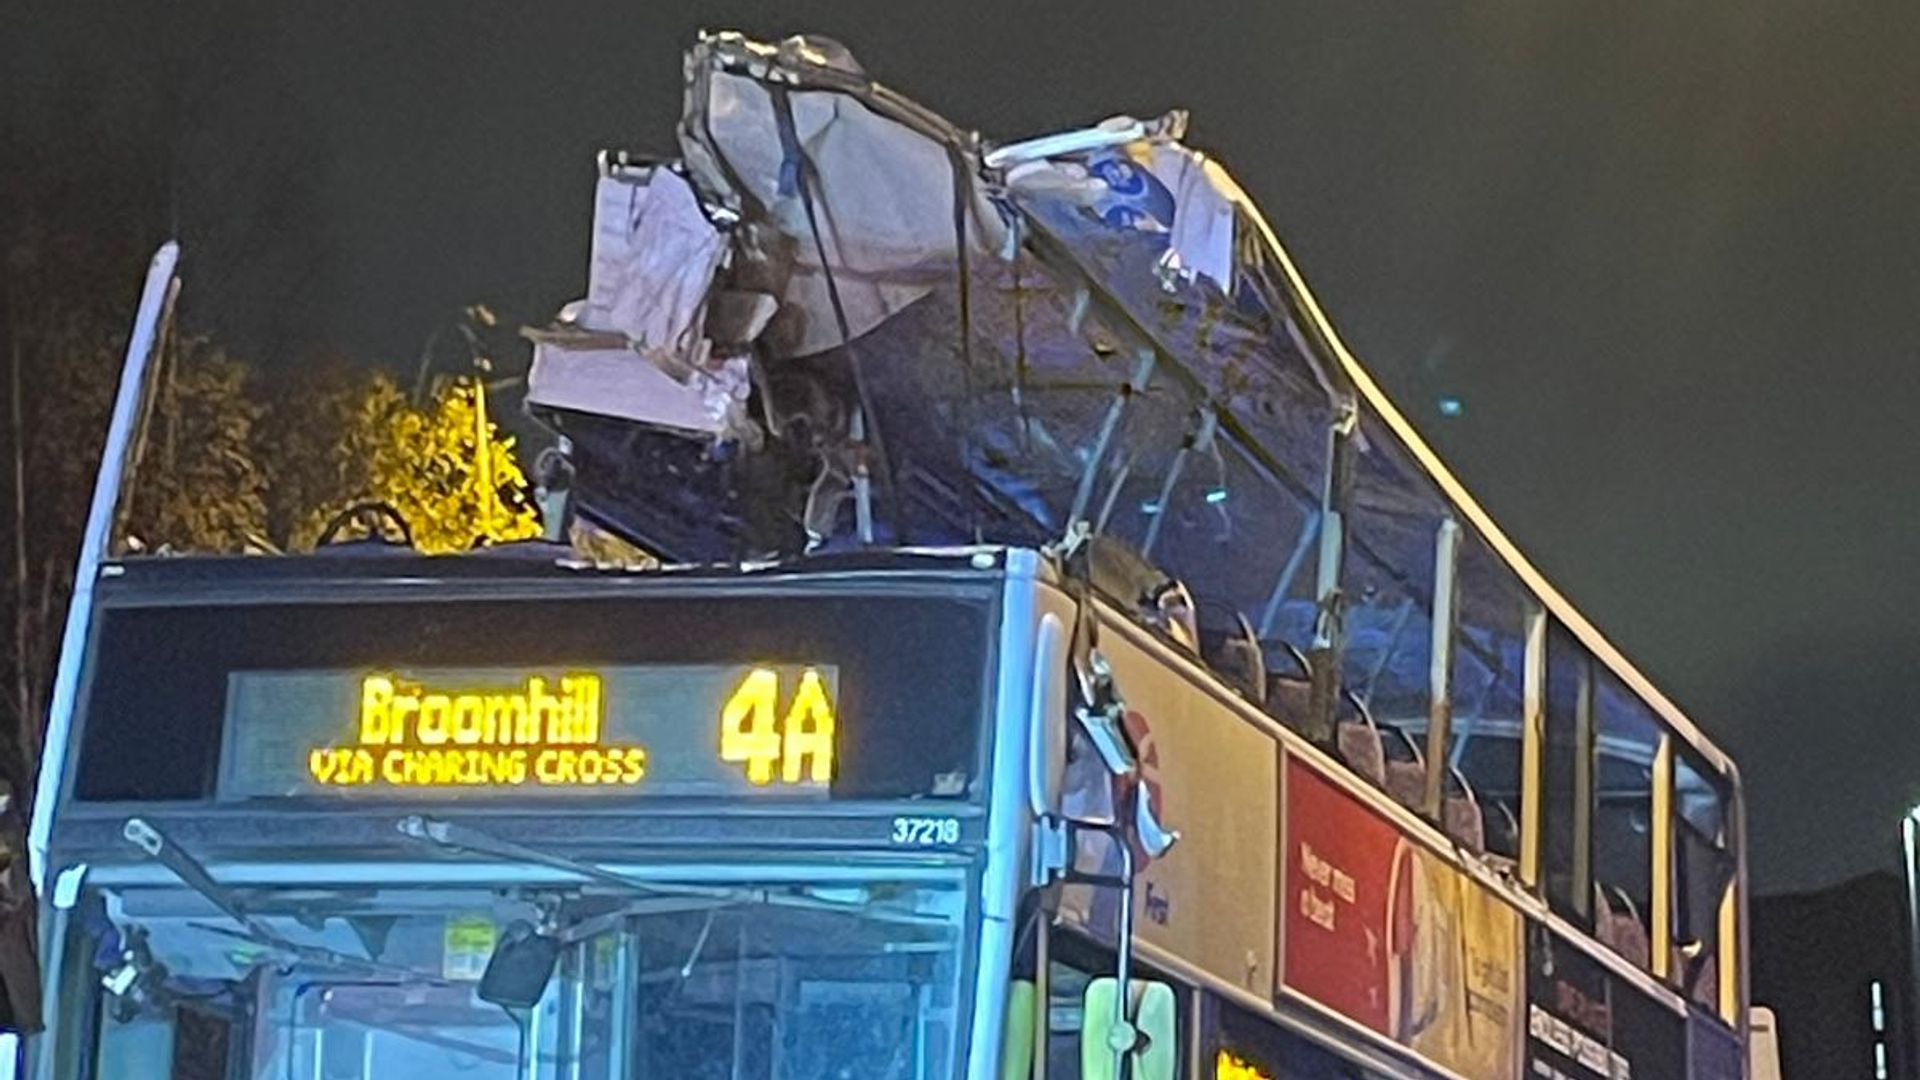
x=1667 y=256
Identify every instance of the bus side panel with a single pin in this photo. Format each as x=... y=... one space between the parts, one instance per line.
x=1212 y=777
x=1713 y=1049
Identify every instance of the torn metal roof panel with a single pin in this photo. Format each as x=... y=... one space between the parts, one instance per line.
x=913 y=336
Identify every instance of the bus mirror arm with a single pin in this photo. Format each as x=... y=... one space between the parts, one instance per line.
x=1071 y=831
x=1123 y=962
x=1121 y=841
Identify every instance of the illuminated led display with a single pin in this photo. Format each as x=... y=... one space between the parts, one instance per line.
x=800 y=743
x=683 y=729
x=544 y=732
x=394 y=712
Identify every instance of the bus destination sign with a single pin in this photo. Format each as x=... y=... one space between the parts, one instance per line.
x=686 y=730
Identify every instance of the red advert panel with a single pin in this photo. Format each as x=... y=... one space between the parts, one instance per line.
x=1385 y=932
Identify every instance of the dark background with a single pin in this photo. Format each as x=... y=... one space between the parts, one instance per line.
x=1815 y=956
x=1666 y=257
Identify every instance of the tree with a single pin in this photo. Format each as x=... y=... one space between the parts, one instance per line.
x=223 y=462
x=64 y=359
x=317 y=442
x=66 y=298
x=426 y=467
x=337 y=439
x=197 y=486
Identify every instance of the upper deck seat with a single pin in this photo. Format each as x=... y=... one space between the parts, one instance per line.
x=1406 y=768
x=1359 y=744
x=1460 y=815
x=1617 y=924
x=1289 y=697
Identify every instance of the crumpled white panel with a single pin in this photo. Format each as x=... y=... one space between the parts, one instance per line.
x=1200 y=240
x=1201 y=226
x=608 y=380
x=883 y=201
x=654 y=257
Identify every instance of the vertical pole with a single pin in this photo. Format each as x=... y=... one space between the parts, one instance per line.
x=483 y=453
x=1727 y=994
x=143 y=420
x=739 y=1051
x=1909 y=824
x=1200 y=442
x=1282 y=585
x=426 y=362
x=93 y=549
x=26 y=716
x=1660 y=831
x=1123 y=838
x=1584 y=744
x=1329 y=633
x=1533 y=744
x=1042 y=989
x=1083 y=495
x=862 y=479
x=1446 y=559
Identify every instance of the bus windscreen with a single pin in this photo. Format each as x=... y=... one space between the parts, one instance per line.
x=810 y=697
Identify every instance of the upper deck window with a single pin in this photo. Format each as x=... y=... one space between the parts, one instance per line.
x=1628 y=734
x=1394 y=514
x=1703 y=874
x=1567 y=781
x=1488 y=669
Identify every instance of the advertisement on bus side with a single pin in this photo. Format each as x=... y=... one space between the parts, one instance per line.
x=1383 y=931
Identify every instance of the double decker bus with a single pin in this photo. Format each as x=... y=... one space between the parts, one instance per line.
x=1066 y=663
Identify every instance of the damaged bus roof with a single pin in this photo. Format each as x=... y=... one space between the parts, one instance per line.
x=836 y=318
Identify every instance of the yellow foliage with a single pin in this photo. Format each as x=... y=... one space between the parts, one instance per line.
x=422 y=462
x=603 y=548
x=380 y=447
x=197 y=486
x=1228 y=1067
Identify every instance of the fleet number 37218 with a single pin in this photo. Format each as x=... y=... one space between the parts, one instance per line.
x=926 y=831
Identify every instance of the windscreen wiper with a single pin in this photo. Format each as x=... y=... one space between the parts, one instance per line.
x=323 y=957
x=164 y=850
x=193 y=874
x=453 y=836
